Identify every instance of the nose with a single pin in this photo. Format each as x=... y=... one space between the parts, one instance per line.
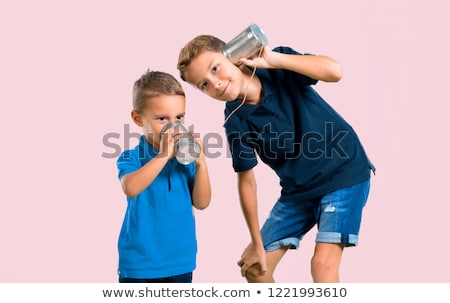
x=218 y=84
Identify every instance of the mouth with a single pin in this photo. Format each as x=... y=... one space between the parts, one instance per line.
x=224 y=89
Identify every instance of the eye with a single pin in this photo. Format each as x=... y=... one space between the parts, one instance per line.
x=215 y=69
x=161 y=118
x=179 y=117
x=204 y=85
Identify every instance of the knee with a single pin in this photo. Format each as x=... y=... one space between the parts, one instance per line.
x=319 y=263
x=324 y=270
x=253 y=275
x=325 y=262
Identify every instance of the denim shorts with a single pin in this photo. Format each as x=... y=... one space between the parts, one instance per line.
x=337 y=216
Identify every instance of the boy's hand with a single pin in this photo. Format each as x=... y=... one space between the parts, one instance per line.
x=253 y=255
x=167 y=143
x=201 y=157
x=261 y=61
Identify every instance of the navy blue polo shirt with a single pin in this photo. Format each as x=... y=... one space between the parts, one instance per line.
x=312 y=149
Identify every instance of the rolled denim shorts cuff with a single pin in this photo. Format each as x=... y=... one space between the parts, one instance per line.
x=291 y=242
x=330 y=237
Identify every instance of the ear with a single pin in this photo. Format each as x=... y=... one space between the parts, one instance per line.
x=137 y=119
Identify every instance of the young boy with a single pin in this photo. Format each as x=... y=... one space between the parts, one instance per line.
x=157 y=242
x=273 y=112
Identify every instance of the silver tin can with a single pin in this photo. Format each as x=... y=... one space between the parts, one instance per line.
x=246 y=44
x=187 y=150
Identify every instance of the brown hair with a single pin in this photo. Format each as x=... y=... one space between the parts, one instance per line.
x=194 y=47
x=153 y=84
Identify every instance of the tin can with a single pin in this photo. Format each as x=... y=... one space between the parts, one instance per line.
x=246 y=44
x=187 y=150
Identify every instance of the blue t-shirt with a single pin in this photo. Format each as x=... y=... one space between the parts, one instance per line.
x=157 y=238
x=313 y=150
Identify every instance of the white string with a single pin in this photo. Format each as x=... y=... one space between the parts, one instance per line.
x=246 y=88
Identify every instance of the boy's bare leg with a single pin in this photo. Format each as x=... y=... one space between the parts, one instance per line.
x=253 y=274
x=326 y=261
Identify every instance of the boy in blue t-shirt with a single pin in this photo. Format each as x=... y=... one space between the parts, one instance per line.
x=272 y=113
x=157 y=241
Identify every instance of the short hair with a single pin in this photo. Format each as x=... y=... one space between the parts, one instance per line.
x=194 y=47
x=153 y=84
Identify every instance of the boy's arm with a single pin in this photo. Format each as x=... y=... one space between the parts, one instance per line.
x=134 y=183
x=317 y=67
x=254 y=254
x=201 y=193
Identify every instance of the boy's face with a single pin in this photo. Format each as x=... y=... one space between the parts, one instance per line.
x=158 y=112
x=216 y=76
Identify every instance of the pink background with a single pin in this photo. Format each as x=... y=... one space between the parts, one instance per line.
x=66 y=72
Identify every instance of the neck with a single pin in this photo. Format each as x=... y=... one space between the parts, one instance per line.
x=252 y=89
x=150 y=140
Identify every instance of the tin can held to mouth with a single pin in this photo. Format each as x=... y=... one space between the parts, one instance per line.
x=187 y=150
x=246 y=44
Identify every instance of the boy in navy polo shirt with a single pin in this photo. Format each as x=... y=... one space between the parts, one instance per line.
x=157 y=242
x=273 y=113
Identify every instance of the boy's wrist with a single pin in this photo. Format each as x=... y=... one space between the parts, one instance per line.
x=200 y=162
x=162 y=156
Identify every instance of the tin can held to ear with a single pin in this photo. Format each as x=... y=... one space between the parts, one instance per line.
x=246 y=44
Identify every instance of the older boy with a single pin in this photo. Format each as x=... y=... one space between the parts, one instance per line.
x=276 y=114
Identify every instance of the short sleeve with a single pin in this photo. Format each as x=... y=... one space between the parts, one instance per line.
x=302 y=79
x=127 y=163
x=243 y=155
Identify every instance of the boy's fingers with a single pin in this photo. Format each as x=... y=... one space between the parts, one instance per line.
x=263 y=269
x=244 y=269
x=195 y=135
